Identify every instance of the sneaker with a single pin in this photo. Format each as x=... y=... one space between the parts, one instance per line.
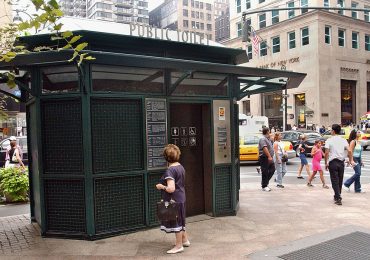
x=347 y=189
x=309 y=185
x=338 y=202
x=175 y=250
x=361 y=191
x=300 y=177
x=266 y=189
x=280 y=186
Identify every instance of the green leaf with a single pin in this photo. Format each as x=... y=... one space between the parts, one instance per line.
x=75 y=39
x=67 y=34
x=19 y=47
x=23 y=26
x=90 y=58
x=68 y=46
x=54 y=4
x=11 y=54
x=73 y=57
x=81 y=46
x=37 y=3
x=11 y=83
x=58 y=12
x=58 y=27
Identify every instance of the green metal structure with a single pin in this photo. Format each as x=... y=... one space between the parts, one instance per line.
x=92 y=165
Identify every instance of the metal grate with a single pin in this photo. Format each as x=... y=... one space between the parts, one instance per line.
x=119 y=203
x=62 y=137
x=154 y=196
x=65 y=206
x=354 y=246
x=117 y=135
x=223 y=189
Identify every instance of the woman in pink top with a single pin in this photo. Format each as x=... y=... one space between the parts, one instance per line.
x=317 y=155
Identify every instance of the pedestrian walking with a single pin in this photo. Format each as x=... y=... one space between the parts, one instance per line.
x=356 y=149
x=302 y=147
x=335 y=154
x=266 y=153
x=173 y=188
x=280 y=160
x=13 y=155
x=317 y=155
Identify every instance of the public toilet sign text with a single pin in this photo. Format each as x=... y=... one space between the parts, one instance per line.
x=147 y=31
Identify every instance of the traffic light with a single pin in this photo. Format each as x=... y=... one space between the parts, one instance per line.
x=247 y=30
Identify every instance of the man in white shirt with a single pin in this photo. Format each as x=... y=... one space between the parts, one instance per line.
x=336 y=149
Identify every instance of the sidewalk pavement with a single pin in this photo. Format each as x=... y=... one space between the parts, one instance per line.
x=264 y=220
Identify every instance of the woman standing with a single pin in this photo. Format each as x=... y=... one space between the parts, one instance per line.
x=173 y=187
x=317 y=155
x=356 y=149
x=280 y=163
x=13 y=155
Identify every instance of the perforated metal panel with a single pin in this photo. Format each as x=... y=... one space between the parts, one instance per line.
x=62 y=137
x=223 y=189
x=154 y=197
x=119 y=203
x=65 y=206
x=117 y=135
x=354 y=246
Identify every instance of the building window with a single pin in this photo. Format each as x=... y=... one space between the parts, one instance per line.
x=202 y=26
x=291 y=40
x=185 y=2
x=247 y=4
x=196 y=4
x=202 y=15
x=201 y=5
x=197 y=15
x=185 y=12
x=326 y=3
x=185 y=23
x=304 y=3
x=192 y=3
x=239 y=26
x=193 y=24
x=261 y=1
x=354 y=13
x=341 y=37
x=275 y=16
x=192 y=14
x=340 y=3
x=238 y=6
x=262 y=20
x=197 y=25
x=291 y=13
x=209 y=17
x=367 y=42
x=209 y=7
x=263 y=48
x=305 y=36
x=249 y=52
x=354 y=40
x=327 y=34
x=276 y=44
x=209 y=27
x=367 y=14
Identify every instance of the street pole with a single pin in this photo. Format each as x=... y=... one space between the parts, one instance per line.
x=286 y=108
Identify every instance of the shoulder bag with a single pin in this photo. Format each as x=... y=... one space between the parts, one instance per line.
x=167 y=210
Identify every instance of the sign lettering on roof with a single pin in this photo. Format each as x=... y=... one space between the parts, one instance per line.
x=146 y=31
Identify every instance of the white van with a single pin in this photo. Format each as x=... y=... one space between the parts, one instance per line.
x=252 y=124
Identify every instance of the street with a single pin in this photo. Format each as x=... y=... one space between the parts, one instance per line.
x=248 y=172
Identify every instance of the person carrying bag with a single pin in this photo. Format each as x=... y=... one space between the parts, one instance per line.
x=171 y=209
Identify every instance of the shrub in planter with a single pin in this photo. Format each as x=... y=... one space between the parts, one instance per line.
x=14 y=184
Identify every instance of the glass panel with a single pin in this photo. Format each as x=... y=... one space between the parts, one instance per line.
x=61 y=79
x=291 y=40
x=200 y=83
x=127 y=79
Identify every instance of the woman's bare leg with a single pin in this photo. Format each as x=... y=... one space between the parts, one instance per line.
x=184 y=237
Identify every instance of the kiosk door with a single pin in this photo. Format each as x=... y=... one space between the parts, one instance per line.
x=187 y=133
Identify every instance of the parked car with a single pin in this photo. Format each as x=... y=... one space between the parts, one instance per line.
x=248 y=148
x=345 y=131
x=21 y=141
x=294 y=137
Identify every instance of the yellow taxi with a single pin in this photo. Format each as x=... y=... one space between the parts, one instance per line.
x=248 y=148
x=345 y=132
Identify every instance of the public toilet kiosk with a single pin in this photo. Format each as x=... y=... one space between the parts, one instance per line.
x=96 y=132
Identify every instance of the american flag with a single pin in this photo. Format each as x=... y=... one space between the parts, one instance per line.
x=255 y=42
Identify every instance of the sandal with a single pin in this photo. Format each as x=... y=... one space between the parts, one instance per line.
x=300 y=177
x=309 y=185
x=325 y=186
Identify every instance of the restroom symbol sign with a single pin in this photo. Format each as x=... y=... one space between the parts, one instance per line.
x=192 y=141
x=175 y=131
x=192 y=131
x=175 y=141
x=184 y=141
x=184 y=131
